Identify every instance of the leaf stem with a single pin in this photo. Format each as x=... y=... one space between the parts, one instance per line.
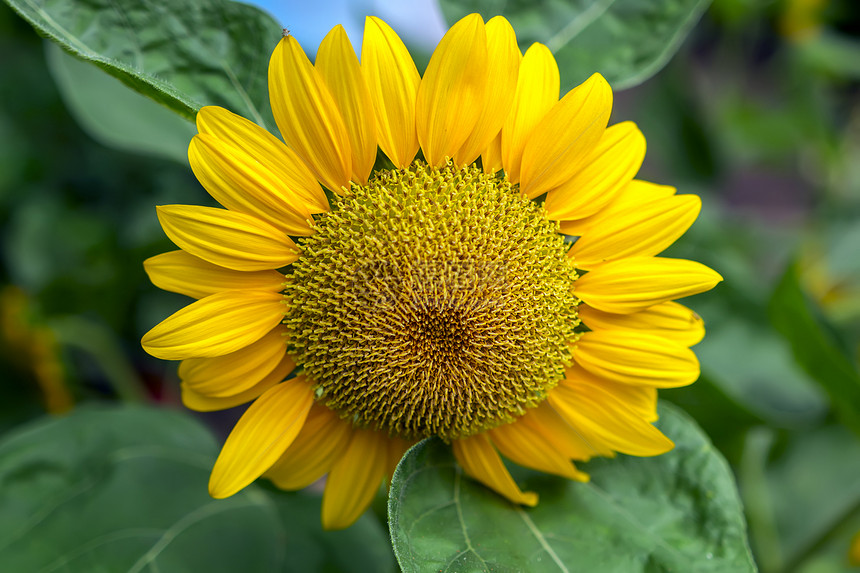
x=757 y=500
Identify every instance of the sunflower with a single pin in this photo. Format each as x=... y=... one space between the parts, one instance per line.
x=462 y=255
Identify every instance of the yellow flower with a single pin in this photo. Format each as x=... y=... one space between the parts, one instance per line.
x=432 y=289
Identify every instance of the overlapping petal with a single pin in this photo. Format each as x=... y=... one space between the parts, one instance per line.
x=339 y=68
x=453 y=91
x=632 y=357
x=611 y=165
x=527 y=447
x=502 y=71
x=481 y=461
x=235 y=372
x=177 y=271
x=225 y=238
x=544 y=420
x=561 y=143
x=354 y=479
x=216 y=325
x=669 y=320
x=537 y=91
x=203 y=403
x=642 y=399
x=307 y=115
x=392 y=80
x=239 y=182
x=267 y=149
x=636 y=283
x=396 y=448
x=635 y=194
x=322 y=439
x=260 y=437
x=602 y=418
x=491 y=158
x=643 y=230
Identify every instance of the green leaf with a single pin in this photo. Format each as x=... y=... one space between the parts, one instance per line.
x=115 y=115
x=627 y=41
x=814 y=489
x=816 y=348
x=181 y=53
x=362 y=548
x=125 y=490
x=676 y=512
x=755 y=366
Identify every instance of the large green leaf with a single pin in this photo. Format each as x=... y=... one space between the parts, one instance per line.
x=816 y=348
x=124 y=489
x=627 y=41
x=676 y=512
x=181 y=53
x=115 y=115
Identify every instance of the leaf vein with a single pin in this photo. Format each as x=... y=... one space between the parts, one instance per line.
x=579 y=23
x=203 y=512
x=66 y=34
x=544 y=543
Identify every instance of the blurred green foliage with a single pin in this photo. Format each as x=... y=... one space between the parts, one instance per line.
x=758 y=113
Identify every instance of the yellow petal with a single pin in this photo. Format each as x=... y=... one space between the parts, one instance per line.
x=491 y=159
x=669 y=320
x=635 y=194
x=307 y=115
x=354 y=479
x=396 y=448
x=260 y=437
x=452 y=92
x=481 y=461
x=639 y=358
x=644 y=230
x=338 y=65
x=602 y=418
x=642 y=399
x=241 y=183
x=537 y=90
x=607 y=169
x=565 y=439
x=226 y=238
x=216 y=325
x=271 y=152
x=634 y=284
x=562 y=141
x=235 y=372
x=524 y=446
x=321 y=441
x=204 y=403
x=392 y=80
x=502 y=71
x=177 y=271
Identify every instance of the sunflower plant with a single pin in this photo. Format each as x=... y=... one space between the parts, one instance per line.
x=440 y=286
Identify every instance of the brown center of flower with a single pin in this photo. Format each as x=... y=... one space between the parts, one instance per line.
x=432 y=301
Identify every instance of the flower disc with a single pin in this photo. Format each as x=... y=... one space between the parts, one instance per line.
x=432 y=301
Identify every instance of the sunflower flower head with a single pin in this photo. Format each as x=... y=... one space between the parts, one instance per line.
x=462 y=255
